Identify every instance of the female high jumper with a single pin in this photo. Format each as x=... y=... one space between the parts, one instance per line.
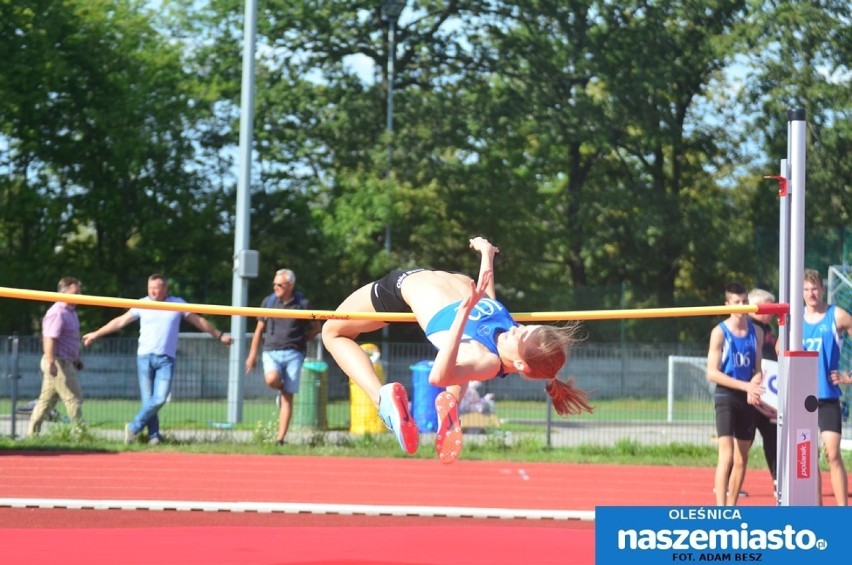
x=476 y=338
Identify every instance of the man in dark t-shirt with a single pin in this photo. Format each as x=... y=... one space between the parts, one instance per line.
x=284 y=345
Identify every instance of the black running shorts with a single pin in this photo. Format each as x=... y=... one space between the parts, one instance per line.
x=734 y=415
x=386 y=293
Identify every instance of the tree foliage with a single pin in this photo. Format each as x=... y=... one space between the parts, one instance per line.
x=613 y=149
x=97 y=116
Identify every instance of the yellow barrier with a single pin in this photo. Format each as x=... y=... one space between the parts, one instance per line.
x=585 y=315
x=363 y=416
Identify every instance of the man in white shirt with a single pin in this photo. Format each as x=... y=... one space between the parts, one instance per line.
x=158 y=338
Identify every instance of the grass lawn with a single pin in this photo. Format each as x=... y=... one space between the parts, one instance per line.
x=259 y=419
x=204 y=414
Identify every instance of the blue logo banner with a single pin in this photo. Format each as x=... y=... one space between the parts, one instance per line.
x=709 y=534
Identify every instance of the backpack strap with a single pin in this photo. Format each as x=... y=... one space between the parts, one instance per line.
x=269 y=301
x=298 y=299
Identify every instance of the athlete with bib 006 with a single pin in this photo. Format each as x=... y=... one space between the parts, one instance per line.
x=734 y=365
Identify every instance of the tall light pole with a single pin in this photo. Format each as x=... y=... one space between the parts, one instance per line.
x=245 y=260
x=391 y=9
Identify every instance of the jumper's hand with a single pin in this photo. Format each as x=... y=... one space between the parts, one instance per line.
x=483 y=246
x=477 y=291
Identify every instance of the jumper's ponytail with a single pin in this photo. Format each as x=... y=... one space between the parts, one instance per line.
x=544 y=352
x=566 y=398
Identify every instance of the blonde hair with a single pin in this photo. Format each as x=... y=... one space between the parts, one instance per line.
x=812 y=276
x=544 y=352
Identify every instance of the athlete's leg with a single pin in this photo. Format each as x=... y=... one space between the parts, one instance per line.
x=338 y=337
x=738 y=470
x=831 y=446
x=723 y=469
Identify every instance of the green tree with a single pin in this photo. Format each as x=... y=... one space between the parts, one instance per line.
x=603 y=105
x=799 y=57
x=320 y=134
x=97 y=116
x=570 y=130
x=662 y=60
x=34 y=204
x=596 y=141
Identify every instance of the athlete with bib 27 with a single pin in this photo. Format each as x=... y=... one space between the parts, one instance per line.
x=822 y=331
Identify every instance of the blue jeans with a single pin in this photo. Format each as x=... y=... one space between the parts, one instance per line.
x=288 y=364
x=155 y=382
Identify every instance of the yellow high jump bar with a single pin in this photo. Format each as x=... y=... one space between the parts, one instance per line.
x=88 y=300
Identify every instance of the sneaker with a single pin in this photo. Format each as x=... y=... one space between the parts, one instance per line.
x=154 y=441
x=129 y=436
x=393 y=409
x=448 y=439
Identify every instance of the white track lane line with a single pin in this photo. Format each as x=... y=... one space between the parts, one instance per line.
x=299 y=508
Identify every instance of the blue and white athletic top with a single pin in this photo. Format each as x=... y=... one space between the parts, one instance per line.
x=823 y=338
x=738 y=356
x=487 y=320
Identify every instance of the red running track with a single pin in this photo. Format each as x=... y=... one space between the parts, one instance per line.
x=148 y=536
x=343 y=480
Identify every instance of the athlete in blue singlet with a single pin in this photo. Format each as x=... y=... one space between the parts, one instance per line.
x=738 y=355
x=733 y=364
x=476 y=340
x=822 y=336
x=486 y=322
x=822 y=331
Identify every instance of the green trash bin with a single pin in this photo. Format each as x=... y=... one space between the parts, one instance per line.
x=309 y=411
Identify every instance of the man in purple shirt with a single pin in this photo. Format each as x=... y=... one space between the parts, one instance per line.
x=61 y=343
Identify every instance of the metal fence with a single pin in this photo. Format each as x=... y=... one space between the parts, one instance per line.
x=628 y=385
x=839 y=287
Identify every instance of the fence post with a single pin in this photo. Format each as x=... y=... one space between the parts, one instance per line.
x=548 y=426
x=14 y=376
